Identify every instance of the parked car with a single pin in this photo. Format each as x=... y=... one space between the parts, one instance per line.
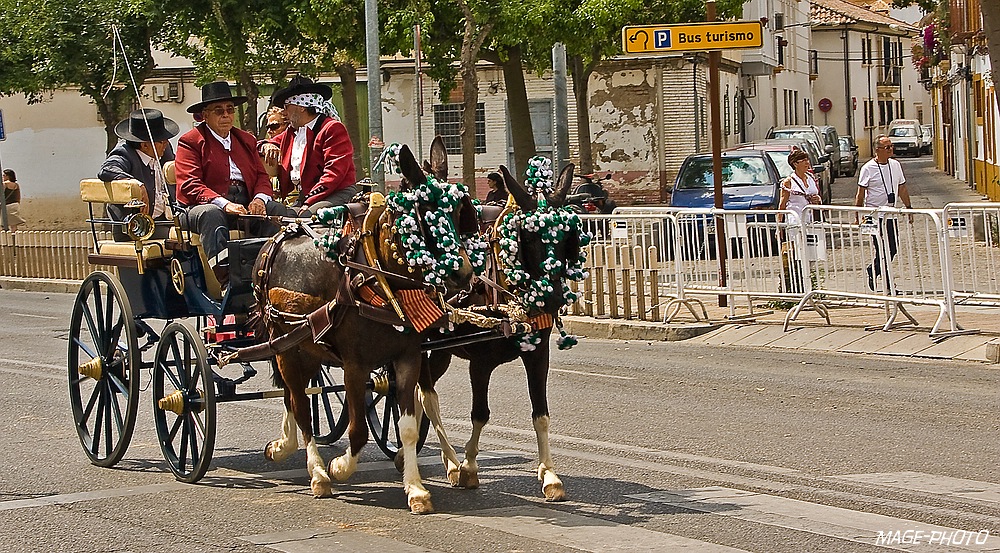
x=750 y=180
x=813 y=134
x=832 y=137
x=778 y=150
x=906 y=137
x=848 y=156
x=927 y=135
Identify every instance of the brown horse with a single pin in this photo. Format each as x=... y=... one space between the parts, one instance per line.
x=302 y=279
x=546 y=259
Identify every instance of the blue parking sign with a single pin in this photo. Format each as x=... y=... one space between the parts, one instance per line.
x=3 y=135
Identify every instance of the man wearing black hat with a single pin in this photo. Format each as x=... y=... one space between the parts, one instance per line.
x=315 y=154
x=141 y=155
x=219 y=174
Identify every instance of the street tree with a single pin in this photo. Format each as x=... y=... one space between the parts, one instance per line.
x=47 y=46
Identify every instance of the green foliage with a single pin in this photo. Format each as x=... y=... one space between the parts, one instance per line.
x=928 y=6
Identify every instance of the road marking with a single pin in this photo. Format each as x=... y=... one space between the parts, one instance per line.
x=30 y=364
x=537 y=523
x=582 y=532
x=794 y=514
x=930 y=483
x=63 y=499
x=36 y=316
x=592 y=374
x=317 y=540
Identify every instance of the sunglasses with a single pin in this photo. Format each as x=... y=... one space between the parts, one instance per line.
x=220 y=111
x=889 y=147
x=275 y=126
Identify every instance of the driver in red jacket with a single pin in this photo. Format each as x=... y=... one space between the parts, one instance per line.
x=314 y=154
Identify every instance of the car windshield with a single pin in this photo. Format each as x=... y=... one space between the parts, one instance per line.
x=736 y=171
x=903 y=131
x=845 y=145
x=808 y=135
x=780 y=159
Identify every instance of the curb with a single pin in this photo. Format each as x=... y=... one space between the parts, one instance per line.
x=614 y=329
x=993 y=350
x=51 y=285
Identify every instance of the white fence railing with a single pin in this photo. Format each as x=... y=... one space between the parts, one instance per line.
x=48 y=254
x=841 y=255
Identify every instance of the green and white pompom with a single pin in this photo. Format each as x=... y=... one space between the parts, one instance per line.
x=333 y=219
x=445 y=198
x=389 y=158
x=539 y=176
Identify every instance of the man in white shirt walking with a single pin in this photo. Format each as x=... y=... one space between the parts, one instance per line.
x=881 y=183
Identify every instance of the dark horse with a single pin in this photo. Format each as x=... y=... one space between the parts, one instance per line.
x=531 y=261
x=301 y=279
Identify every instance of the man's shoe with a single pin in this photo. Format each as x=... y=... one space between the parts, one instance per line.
x=871 y=279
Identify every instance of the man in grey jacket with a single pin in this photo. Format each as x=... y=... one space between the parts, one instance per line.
x=145 y=148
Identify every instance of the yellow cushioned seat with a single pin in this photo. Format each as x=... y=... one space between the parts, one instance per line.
x=115 y=192
x=151 y=249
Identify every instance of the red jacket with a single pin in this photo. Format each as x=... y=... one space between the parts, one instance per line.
x=327 y=163
x=202 y=166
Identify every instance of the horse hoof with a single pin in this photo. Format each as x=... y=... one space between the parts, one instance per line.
x=554 y=492
x=321 y=489
x=421 y=505
x=455 y=478
x=468 y=479
x=398 y=461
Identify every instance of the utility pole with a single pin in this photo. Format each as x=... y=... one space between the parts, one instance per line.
x=376 y=142
x=714 y=60
x=561 y=107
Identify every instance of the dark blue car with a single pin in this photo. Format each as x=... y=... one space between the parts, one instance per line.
x=750 y=180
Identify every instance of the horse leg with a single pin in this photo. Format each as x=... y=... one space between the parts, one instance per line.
x=296 y=376
x=407 y=372
x=480 y=371
x=536 y=365
x=355 y=384
x=279 y=450
x=433 y=369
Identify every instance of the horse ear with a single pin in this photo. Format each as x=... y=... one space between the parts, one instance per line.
x=520 y=193
x=410 y=169
x=562 y=185
x=439 y=159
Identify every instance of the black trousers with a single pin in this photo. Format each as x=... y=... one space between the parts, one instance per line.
x=212 y=223
x=887 y=228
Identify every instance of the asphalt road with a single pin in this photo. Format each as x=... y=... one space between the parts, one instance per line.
x=662 y=447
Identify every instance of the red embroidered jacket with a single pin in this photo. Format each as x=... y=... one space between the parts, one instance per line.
x=202 y=166
x=327 y=163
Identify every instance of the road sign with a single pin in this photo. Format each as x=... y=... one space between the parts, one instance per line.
x=721 y=35
x=825 y=104
x=3 y=135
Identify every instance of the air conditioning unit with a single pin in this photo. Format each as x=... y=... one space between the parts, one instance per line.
x=159 y=93
x=174 y=91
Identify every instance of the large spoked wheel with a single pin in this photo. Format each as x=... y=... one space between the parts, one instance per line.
x=383 y=413
x=329 y=409
x=104 y=362
x=184 y=402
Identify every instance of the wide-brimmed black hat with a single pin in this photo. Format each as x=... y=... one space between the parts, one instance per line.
x=300 y=85
x=215 y=92
x=134 y=128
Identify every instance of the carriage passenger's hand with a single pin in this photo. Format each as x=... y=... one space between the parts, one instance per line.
x=271 y=154
x=233 y=208
x=257 y=207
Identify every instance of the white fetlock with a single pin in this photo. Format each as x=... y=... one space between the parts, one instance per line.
x=468 y=475
x=419 y=500
x=343 y=467
x=552 y=486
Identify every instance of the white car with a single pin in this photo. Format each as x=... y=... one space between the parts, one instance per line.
x=906 y=137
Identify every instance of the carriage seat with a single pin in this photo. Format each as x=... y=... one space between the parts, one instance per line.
x=118 y=192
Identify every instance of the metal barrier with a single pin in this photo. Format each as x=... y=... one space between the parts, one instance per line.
x=972 y=243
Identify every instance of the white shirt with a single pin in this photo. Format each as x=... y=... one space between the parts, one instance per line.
x=234 y=171
x=880 y=180
x=798 y=193
x=299 y=151
x=159 y=183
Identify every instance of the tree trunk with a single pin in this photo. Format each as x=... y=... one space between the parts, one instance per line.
x=581 y=85
x=245 y=86
x=991 y=24
x=523 y=138
x=349 y=89
x=467 y=127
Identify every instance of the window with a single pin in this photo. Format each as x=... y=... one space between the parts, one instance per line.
x=813 y=62
x=869 y=114
x=866 y=51
x=447 y=120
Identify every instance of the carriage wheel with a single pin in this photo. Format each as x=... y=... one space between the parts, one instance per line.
x=184 y=402
x=383 y=413
x=329 y=410
x=104 y=362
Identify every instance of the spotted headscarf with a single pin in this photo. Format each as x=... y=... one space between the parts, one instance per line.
x=312 y=100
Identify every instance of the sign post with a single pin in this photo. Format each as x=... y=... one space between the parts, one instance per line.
x=3 y=189
x=713 y=37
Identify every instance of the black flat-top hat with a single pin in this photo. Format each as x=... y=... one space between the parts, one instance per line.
x=134 y=128
x=215 y=92
x=300 y=85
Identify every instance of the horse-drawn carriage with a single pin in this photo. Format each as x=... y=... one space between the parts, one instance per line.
x=395 y=273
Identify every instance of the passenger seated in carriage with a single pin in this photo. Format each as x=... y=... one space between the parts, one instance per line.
x=314 y=155
x=220 y=175
x=146 y=137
